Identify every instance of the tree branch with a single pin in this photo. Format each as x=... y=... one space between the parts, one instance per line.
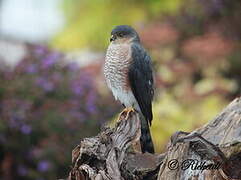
x=210 y=152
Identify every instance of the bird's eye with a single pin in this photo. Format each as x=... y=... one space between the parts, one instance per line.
x=121 y=34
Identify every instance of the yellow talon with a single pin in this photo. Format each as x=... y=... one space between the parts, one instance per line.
x=127 y=111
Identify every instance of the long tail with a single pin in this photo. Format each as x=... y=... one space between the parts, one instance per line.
x=146 y=140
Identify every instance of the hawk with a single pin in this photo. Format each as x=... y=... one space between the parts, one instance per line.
x=128 y=73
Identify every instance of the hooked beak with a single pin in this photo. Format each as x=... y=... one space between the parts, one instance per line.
x=112 y=38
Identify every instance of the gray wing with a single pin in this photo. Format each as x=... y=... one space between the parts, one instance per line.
x=141 y=80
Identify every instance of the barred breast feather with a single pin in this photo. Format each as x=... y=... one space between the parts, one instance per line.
x=117 y=63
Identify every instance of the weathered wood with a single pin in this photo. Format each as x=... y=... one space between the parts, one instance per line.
x=115 y=152
x=217 y=143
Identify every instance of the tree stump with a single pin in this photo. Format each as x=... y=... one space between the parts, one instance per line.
x=212 y=152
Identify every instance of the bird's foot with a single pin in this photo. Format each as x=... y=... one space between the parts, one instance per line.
x=126 y=112
x=129 y=110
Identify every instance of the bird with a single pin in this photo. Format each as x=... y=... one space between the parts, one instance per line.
x=129 y=75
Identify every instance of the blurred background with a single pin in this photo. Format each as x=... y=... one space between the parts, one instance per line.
x=52 y=90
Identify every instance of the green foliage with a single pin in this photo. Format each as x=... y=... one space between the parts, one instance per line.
x=89 y=22
x=171 y=116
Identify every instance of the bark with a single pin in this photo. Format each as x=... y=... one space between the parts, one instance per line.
x=210 y=152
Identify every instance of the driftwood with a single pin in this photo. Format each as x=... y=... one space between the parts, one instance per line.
x=210 y=152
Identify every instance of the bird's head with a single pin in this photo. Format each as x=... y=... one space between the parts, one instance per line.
x=124 y=33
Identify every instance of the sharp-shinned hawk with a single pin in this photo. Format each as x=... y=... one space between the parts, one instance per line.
x=128 y=73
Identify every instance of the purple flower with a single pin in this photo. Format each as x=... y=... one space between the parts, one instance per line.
x=48 y=86
x=77 y=88
x=31 y=69
x=40 y=50
x=91 y=107
x=73 y=66
x=81 y=84
x=26 y=129
x=15 y=121
x=45 y=84
x=22 y=171
x=43 y=165
x=50 y=60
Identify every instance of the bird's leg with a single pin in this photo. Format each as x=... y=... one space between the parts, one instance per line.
x=126 y=111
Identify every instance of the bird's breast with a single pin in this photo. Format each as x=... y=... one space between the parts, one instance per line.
x=117 y=62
